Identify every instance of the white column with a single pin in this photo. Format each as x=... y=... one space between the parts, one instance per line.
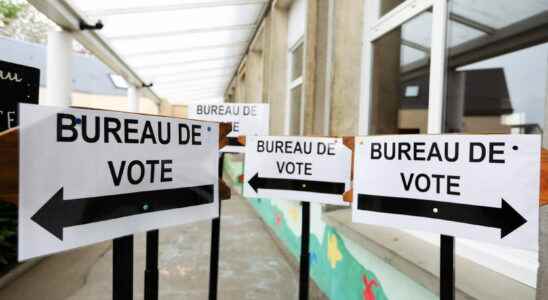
x=436 y=98
x=59 y=64
x=133 y=99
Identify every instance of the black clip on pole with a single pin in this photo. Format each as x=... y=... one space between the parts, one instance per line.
x=85 y=26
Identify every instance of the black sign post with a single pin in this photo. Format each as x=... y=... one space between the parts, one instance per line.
x=447 y=267
x=151 y=271
x=304 y=271
x=122 y=268
x=215 y=242
x=18 y=84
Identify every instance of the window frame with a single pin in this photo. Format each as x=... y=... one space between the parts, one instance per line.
x=291 y=85
x=375 y=27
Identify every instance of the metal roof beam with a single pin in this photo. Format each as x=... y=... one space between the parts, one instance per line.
x=172 y=7
x=190 y=71
x=182 y=32
x=522 y=34
x=472 y=24
x=212 y=94
x=62 y=13
x=188 y=49
x=415 y=46
x=191 y=86
x=191 y=62
x=191 y=79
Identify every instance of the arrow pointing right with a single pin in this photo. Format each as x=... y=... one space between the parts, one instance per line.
x=506 y=218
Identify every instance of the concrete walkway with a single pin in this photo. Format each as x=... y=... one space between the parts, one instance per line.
x=251 y=265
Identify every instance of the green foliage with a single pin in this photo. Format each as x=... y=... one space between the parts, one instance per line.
x=8 y=234
x=9 y=10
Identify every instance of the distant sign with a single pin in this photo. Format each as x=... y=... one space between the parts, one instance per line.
x=247 y=119
x=471 y=186
x=299 y=168
x=88 y=176
x=18 y=84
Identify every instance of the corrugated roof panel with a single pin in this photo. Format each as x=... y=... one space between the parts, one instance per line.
x=171 y=40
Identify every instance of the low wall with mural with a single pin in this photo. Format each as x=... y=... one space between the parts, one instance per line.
x=339 y=267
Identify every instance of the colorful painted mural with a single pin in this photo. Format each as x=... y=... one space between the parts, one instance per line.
x=332 y=267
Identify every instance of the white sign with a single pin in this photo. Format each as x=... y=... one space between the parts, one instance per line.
x=247 y=119
x=88 y=175
x=471 y=186
x=298 y=168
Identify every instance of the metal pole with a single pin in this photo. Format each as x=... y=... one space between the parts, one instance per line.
x=447 y=267
x=305 y=257
x=215 y=241
x=122 y=268
x=151 y=271
x=436 y=111
x=59 y=64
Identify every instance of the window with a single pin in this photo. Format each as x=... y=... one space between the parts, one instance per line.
x=411 y=91
x=459 y=64
x=296 y=103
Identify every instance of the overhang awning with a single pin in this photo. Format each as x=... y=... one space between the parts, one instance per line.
x=188 y=49
x=473 y=26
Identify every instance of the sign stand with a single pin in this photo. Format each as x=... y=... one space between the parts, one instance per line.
x=122 y=268
x=151 y=270
x=215 y=241
x=305 y=257
x=447 y=267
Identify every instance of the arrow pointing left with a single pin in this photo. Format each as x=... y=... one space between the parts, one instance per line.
x=59 y=213
x=322 y=187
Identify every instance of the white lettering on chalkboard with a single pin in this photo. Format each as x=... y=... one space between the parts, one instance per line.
x=10 y=76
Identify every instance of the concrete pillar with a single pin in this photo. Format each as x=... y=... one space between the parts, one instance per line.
x=133 y=99
x=310 y=64
x=59 y=64
x=266 y=59
x=344 y=72
x=278 y=67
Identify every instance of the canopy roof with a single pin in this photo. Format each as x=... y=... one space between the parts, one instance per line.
x=188 y=49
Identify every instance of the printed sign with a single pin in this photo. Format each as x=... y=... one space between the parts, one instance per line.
x=298 y=168
x=471 y=186
x=87 y=176
x=18 y=84
x=247 y=119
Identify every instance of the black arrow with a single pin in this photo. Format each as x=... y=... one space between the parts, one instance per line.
x=322 y=187
x=506 y=218
x=59 y=213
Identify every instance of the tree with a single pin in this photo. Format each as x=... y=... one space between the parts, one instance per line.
x=9 y=11
x=22 y=21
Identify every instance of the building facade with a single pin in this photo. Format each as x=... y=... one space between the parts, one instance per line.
x=346 y=67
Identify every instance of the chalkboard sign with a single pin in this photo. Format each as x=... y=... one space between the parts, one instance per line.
x=18 y=84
